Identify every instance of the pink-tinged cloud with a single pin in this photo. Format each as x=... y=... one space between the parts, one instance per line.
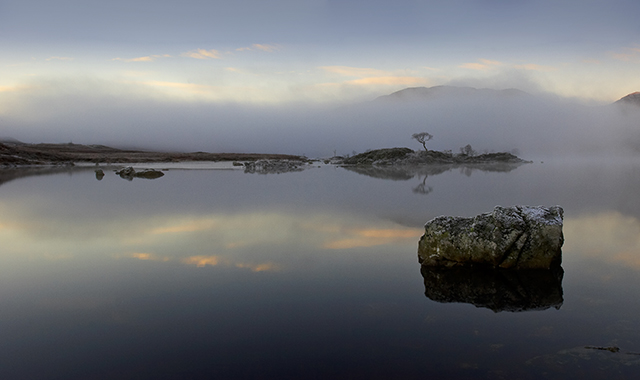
x=203 y=54
x=628 y=54
x=16 y=88
x=269 y=48
x=483 y=64
x=360 y=238
x=148 y=58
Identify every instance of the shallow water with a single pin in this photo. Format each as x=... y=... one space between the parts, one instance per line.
x=221 y=274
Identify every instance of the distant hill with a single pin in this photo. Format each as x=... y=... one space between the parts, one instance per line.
x=426 y=93
x=631 y=99
x=10 y=140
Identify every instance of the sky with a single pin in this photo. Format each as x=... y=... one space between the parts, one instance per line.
x=78 y=68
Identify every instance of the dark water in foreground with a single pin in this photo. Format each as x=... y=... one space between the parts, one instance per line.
x=218 y=274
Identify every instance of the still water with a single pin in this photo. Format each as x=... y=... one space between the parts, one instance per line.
x=219 y=274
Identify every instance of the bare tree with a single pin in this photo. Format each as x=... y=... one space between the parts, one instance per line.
x=468 y=150
x=422 y=138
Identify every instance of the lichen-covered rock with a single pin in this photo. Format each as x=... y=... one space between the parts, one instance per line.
x=521 y=237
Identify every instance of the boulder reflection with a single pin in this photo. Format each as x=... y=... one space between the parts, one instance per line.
x=495 y=289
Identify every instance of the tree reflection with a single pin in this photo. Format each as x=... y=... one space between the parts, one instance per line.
x=407 y=172
x=422 y=188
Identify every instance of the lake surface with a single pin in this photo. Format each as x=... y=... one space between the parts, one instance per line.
x=219 y=274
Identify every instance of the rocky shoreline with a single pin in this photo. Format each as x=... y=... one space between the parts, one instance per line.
x=21 y=154
x=409 y=157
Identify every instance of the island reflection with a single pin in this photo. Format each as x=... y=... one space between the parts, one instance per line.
x=407 y=172
x=495 y=289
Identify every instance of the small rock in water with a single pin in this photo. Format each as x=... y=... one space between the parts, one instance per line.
x=129 y=173
x=149 y=174
x=99 y=174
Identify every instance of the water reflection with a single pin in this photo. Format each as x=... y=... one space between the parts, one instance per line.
x=405 y=173
x=307 y=274
x=608 y=236
x=495 y=289
x=252 y=240
x=10 y=174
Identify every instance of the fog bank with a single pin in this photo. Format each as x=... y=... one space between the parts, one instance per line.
x=536 y=126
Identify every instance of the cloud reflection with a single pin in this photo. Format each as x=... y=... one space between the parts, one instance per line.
x=250 y=240
x=358 y=238
x=608 y=236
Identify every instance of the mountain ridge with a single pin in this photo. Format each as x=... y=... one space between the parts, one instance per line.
x=630 y=99
x=439 y=92
x=424 y=93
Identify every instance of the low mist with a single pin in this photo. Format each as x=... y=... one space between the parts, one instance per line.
x=534 y=126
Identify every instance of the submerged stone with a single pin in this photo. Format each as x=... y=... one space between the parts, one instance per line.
x=520 y=237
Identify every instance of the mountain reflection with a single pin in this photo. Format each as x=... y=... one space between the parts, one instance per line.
x=495 y=289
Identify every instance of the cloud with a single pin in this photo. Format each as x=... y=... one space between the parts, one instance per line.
x=627 y=54
x=354 y=71
x=389 y=81
x=202 y=54
x=149 y=58
x=16 y=88
x=534 y=67
x=269 y=48
x=56 y=58
x=190 y=87
x=483 y=64
x=369 y=76
x=235 y=70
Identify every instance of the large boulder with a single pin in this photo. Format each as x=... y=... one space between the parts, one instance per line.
x=520 y=237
